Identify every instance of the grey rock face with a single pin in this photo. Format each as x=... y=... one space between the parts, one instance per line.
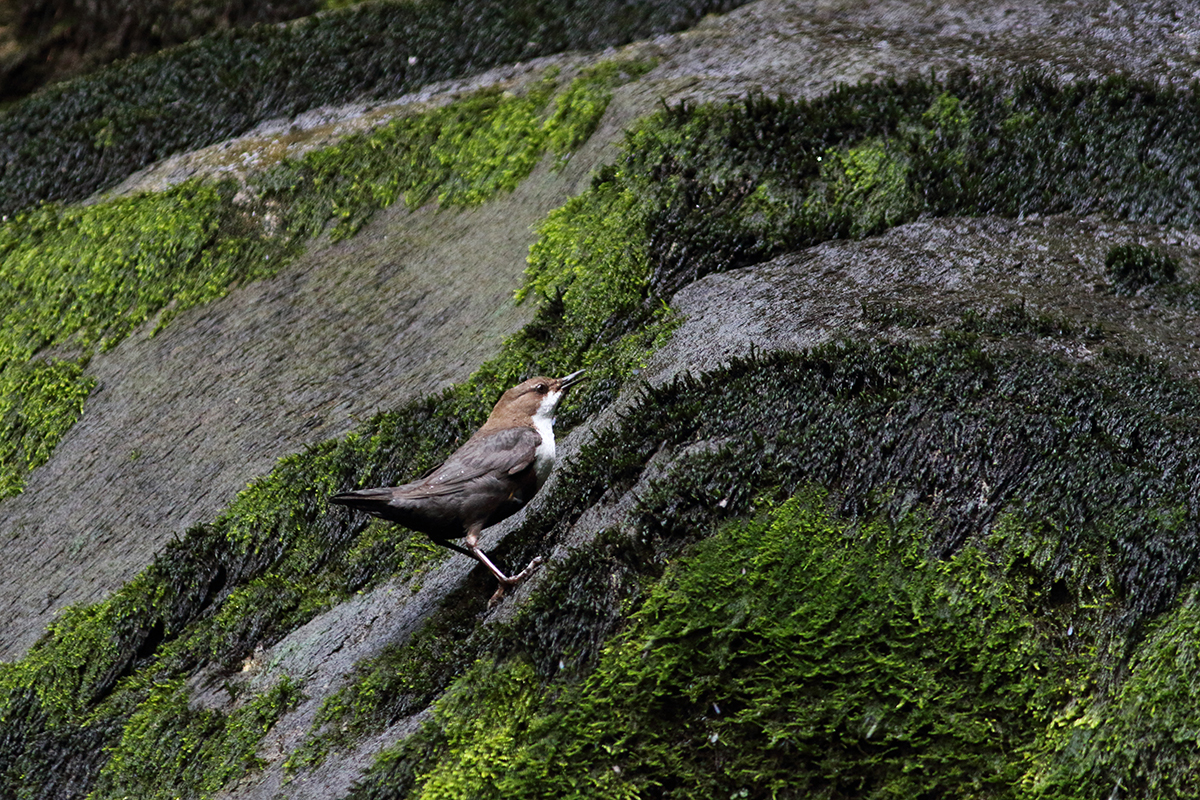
x=941 y=268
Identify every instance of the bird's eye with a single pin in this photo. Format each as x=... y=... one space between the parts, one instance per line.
x=541 y=388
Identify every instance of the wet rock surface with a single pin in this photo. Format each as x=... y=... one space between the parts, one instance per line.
x=919 y=279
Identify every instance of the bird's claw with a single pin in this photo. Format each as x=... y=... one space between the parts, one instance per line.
x=513 y=581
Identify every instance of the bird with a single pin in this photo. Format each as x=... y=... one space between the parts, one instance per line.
x=491 y=477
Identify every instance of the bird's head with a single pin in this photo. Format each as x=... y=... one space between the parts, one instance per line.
x=531 y=401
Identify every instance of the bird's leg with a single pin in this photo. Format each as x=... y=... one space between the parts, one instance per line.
x=505 y=581
x=452 y=546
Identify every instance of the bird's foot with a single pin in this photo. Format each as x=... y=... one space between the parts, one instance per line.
x=512 y=581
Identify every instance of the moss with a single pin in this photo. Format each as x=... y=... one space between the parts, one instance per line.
x=171 y=750
x=47 y=45
x=867 y=189
x=850 y=164
x=1118 y=146
x=1060 y=520
x=478 y=746
x=1134 y=266
x=699 y=190
x=397 y=768
x=902 y=316
x=792 y=655
x=1017 y=320
x=462 y=154
x=579 y=111
x=39 y=402
x=270 y=563
x=69 y=140
x=593 y=254
x=1141 y=740
x=75 y=280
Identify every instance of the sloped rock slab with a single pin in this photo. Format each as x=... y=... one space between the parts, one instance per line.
x=921 y=278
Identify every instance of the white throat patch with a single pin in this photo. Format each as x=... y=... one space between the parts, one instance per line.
x=543 y=421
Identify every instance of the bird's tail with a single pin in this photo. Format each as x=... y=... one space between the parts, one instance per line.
x=370 y=500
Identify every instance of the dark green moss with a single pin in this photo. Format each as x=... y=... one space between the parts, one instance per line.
x=52 y=41
x=790 y=656
x=1017 y=320
x=1119 y=146
x=902 y=316
x=1141 y=739
x=74 y=138
x=170 y=750
x=1134 y=266
x=1076 y=544
x=1083 y=535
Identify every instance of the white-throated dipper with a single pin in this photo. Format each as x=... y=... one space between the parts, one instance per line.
x=486 y=480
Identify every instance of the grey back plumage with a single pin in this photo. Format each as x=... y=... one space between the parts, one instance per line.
x=486 y=480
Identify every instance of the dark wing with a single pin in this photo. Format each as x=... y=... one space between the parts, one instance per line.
x=504 y=452
x=494 y=455
x=484 y=481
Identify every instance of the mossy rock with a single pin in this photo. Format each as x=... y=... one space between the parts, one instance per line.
x=1134 y=266
x=984 y=428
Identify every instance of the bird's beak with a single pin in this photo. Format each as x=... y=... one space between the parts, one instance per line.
x=572 y=379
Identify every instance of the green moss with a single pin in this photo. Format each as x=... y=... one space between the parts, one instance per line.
x=947 y=116
x=699 y=190
x=792 y=655
x=1134 y=266
x=1142 y=738
x=1074 y=542
x=866 y=189
x=462 y=154
x=480 y=745
x=74 y=138
x=85 y=277
x=39 y=402
x=591 y=254
x=74 y=280
x=171 y=750
x=579 y=110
